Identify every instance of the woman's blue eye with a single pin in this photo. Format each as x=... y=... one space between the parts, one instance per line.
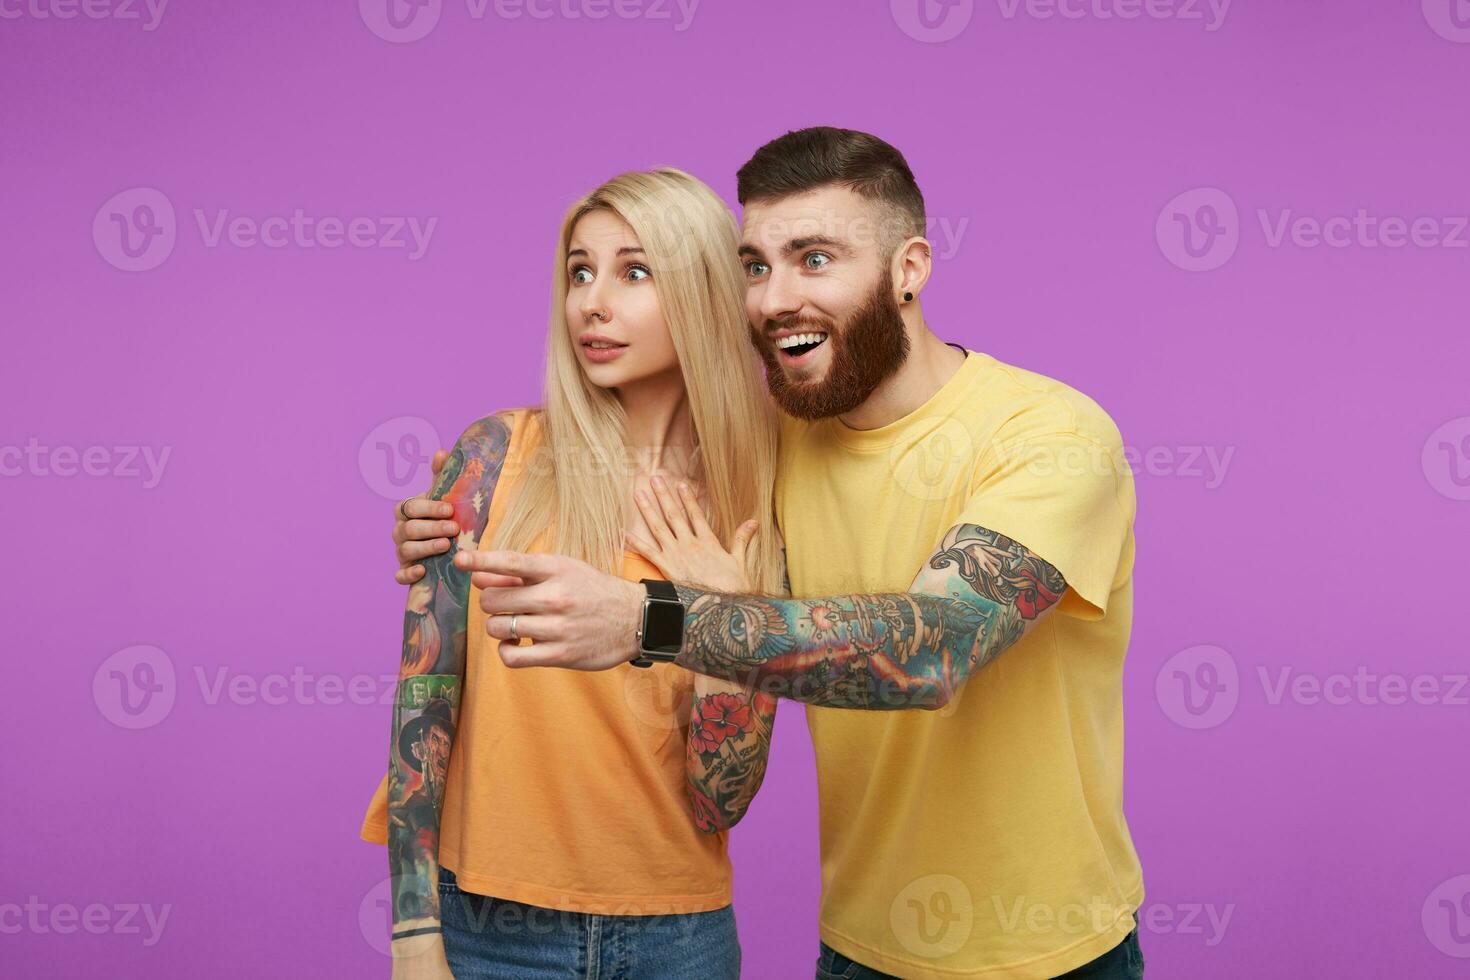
x=638 y=273
x=817 y=259
x=581 y=275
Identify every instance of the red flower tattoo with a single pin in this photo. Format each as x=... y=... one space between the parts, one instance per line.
x=717 y=717
x=706 y=814
x=1032 y=595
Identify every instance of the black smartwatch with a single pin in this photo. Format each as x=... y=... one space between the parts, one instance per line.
x=662 y=635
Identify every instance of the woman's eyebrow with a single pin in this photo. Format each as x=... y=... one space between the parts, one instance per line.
x=625 y=250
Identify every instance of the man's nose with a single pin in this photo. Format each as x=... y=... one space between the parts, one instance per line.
x=779 y=299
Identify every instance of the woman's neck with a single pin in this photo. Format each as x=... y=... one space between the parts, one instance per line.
x=660 y=430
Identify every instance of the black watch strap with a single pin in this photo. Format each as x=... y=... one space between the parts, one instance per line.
x=661 y=634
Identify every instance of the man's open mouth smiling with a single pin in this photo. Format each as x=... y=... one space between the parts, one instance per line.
x=797 y=345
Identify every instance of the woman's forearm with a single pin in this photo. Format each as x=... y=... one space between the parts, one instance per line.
x=431 y=681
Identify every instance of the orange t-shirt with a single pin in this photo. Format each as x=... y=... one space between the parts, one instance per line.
x=566 y=789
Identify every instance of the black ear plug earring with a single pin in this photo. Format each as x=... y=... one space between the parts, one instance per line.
x=908 y=297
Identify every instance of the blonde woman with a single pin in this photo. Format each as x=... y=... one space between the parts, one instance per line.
x=558 y=823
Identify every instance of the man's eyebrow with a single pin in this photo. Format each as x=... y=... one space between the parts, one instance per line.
x=802 y=244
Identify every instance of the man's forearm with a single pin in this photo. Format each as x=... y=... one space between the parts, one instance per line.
x=882 y=651
x=978 y=594
x=729 y=747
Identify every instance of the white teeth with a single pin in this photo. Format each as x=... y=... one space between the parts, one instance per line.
x=599 y=345
x=796 y=340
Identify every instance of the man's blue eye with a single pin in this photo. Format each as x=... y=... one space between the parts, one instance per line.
x=816 y=260
x=756 y=269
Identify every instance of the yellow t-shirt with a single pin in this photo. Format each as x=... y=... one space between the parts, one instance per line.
x=566 y=789
x=985 y=839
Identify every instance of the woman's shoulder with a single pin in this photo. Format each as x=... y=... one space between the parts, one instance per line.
x=502 y=426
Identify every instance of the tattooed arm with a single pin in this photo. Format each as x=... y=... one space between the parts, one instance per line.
x=730 y=729
x=729 y=745
x=978 y=594
x=426 y=708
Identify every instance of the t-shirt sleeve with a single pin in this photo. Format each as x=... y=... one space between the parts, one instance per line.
x=1068 y=498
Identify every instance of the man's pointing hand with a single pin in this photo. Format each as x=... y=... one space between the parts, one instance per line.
x=573 y=615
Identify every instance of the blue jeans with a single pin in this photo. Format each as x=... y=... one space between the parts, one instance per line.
x=1122 y=962
x=489 y=938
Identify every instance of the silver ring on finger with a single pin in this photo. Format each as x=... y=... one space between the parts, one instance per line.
x=513 y=634
x=401 y=515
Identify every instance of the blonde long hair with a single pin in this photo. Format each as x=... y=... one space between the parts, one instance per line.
x=575 y=486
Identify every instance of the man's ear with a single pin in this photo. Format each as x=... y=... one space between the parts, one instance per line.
x=910 y=267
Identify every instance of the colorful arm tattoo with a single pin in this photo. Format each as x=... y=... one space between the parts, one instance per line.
x=729 y=746
x=978 y=594
x=431 y=677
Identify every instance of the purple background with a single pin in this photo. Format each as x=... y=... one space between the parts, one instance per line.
x=1335 y=541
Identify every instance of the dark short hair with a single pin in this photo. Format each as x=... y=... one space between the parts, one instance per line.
x=806 y=159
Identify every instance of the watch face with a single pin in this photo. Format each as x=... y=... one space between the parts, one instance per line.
x=663 y=630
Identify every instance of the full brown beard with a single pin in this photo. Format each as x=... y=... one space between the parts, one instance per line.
x=865 y=351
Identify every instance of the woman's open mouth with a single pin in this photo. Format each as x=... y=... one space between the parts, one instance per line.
x=602 y=351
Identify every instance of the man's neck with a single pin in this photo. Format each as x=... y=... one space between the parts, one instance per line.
x=931 y=363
